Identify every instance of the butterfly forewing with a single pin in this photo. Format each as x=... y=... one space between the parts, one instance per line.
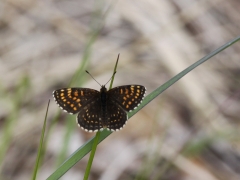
x=128 y=97
x=73 y=99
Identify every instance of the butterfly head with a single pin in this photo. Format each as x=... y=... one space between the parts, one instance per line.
x=103 y=88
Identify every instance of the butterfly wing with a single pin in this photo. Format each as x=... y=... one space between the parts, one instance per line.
x=116 y=117
x=128 y=97
x=72 y=100
x=90 y=117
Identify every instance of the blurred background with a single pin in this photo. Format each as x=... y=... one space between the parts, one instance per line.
x=189 y=132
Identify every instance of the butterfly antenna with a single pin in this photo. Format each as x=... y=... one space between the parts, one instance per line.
x=93 y=77
x=111 y=77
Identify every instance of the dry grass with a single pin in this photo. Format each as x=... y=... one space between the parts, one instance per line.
x=190 y=132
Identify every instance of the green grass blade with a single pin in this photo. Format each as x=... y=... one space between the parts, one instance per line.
x=8 y=128
x=91 y=157
x=40 y=145
x=166 y=85
x=95 y=143
x=77 y=80
x=66 y=140
x=84 y=149
x=76 y=156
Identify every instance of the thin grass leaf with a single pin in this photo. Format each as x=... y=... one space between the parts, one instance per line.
x=95 y=143
x=40 y=145
x=91 y=157
x=84 y=149
x=76 y=80
x=66 y=140
x=8 y=129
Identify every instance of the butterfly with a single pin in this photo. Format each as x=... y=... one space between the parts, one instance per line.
x=100 y=109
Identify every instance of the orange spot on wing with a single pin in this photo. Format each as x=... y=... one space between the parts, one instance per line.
x=75 y=93
x=121 y=91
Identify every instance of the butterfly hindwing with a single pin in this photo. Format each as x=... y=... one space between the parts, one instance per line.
x=116 y=116
x=90 y=117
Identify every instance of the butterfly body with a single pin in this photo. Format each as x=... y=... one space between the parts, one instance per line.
x=100 y=109
x=103 y=92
